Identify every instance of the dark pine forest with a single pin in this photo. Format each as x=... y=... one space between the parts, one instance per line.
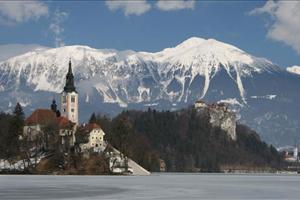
x=185 y=141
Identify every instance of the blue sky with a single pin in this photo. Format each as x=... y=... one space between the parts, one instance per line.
x=261 y=28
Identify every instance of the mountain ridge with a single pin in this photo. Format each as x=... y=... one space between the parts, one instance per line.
x=183 y=54
x=109 y=80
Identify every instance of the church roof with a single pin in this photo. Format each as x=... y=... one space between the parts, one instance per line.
x=45 y=116
x=64 y=123
x=41 y=116
x=70 y=87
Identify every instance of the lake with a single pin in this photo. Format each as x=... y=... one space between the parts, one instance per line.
x=157 y=186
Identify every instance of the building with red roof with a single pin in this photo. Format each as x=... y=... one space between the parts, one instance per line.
x=95 y=138
x=42 y=118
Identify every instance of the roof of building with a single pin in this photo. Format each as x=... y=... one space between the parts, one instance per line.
x=45 y=116
x=64 y=123
x=200 y=101
x=91 y=126
x=41 y=116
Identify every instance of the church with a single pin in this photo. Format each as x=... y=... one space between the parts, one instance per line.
x=65 y=119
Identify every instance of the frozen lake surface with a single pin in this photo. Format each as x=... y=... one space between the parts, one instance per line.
x=157 y=186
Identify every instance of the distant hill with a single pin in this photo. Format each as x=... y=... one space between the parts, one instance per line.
x=186 y=141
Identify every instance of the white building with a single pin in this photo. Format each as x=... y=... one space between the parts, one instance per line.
x=95 y=138
x=200 y=104
x=69 y=98
x=290 y=153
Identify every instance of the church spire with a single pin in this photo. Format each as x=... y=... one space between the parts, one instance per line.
x=70 y=87
x=70 y=67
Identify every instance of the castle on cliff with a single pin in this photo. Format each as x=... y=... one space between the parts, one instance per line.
x=220 y=116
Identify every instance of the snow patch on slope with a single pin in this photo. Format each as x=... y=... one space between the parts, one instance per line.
x=294 y=69
x=231 y=101
x=270 y=97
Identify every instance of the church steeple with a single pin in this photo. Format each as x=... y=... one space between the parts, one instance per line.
x=70 y=87
x=69 y=98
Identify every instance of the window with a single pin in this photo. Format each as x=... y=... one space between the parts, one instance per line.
x=96 y=145
x=64 y=110
x=72 y=99
x=72 y=110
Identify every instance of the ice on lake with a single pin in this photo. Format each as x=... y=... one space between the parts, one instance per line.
x=157 y=186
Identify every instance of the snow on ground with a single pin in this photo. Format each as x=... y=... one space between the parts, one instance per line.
x=20 y=164
x=150 y=104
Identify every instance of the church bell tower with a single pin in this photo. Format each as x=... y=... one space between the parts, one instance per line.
x=69 y=98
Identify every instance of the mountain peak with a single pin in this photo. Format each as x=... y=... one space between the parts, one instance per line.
x=210 y=43
x=193 y=41
x=204 y=51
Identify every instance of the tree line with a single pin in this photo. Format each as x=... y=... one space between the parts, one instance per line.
x=185 y=140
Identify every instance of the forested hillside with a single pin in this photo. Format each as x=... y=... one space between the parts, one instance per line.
x=186 y=141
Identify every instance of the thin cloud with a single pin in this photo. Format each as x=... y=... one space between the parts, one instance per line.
x=56 y=27
x=171 y=5
x=14 y=12
x=129 y=7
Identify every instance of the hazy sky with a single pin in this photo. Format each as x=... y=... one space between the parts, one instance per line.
x=262 y=28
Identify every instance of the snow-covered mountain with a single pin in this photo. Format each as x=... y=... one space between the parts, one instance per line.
x=109 y=80
x=10 y=50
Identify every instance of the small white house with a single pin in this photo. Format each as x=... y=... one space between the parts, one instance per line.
x=95 y=138
x=200 y=104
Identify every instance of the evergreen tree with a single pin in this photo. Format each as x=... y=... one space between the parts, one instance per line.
x=15 y=131
x=93 y=118
x=18 y=111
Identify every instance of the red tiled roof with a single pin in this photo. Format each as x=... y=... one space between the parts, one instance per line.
x=64 y=123
x=45 y=116
x=42 y=117
x=92 y=126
